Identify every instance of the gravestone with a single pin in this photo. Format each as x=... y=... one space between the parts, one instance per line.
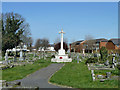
x=24 y=56
x=93 y=78
x=95 y=55
x=108 y=74
x=107 y=63
x=21 y=56
x=92 y=71
x=78 y=59
x=113 y=66
x=39 y=57
x=27 y=57
x=14 y=58
x=6 y=56
x=100 y=76
x=113 y=61
x=34 y=54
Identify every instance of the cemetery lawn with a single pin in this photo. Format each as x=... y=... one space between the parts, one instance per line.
x=20 y=72
x=78 y=76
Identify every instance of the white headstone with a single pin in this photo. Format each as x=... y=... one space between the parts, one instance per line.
x=6 y=56
x=21 y=55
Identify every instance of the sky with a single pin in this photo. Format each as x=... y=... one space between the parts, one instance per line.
x=77 y=19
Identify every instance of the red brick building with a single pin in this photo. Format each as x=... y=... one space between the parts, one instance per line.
x=79 y=46
x=113 y=44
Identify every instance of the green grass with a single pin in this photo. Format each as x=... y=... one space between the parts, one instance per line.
x=20 y=72
x=78 y=76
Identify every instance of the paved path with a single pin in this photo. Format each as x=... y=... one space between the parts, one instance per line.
x=40 y=78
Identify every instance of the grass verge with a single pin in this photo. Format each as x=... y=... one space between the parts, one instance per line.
x=20 y=72
x=78 y=76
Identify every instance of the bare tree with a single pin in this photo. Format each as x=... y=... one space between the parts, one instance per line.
x=45 y=43
x=26 y=36
x=30 y=42
x=38 y=44
x=90 y=43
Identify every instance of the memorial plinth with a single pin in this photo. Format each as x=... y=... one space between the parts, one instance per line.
x=61 y=56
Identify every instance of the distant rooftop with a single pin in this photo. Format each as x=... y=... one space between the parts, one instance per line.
x=116 y=41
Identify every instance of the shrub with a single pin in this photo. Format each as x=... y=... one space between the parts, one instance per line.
x=53 y=56
x=91 y=60
x=118 y=66
x=103 y=53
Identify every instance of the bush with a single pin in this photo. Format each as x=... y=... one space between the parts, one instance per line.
x=103 y=53
x=91 y=60
x=110 y=59
x=10 y=54
x=53 y=56
x=118 y=66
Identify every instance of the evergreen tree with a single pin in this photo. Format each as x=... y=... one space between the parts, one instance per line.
x=13 y=25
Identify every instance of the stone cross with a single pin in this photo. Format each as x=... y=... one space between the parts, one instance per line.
x=62 y=38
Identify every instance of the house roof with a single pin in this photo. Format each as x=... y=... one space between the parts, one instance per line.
x=115 y=41
x=101 y=40
x=77 y=42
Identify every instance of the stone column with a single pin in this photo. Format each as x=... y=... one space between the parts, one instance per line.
x=61 y=50
x=61 y=39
